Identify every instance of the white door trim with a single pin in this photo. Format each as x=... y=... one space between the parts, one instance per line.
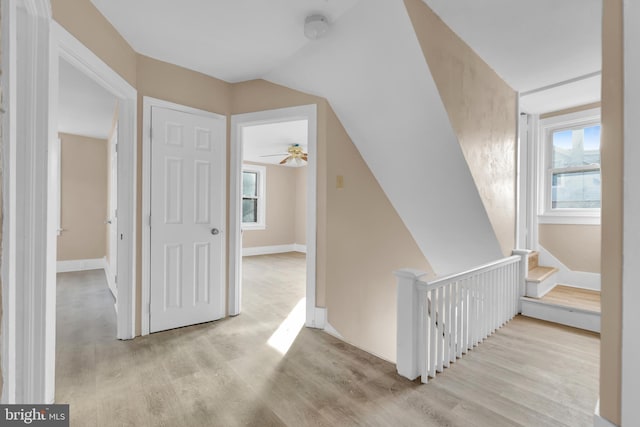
x=309 y=112
x=83 y=59
x=30 y=226
x=28 y=324
x=148 y=103
x=631 y=227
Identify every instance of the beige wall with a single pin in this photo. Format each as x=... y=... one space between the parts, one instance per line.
x=281 y=208
x=300 y=215
x=612 y=204
x=482 y=109
x=84 y=178
x=576 y=246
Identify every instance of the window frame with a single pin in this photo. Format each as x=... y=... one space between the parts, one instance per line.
x=546 y=213
x=261 y=206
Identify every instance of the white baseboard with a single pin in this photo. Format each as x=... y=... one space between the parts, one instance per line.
x=80 y=265
x=279 y=249
x=598 y=421
x=319 y=318
x=578 y=279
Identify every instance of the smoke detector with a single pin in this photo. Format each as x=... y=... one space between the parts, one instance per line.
x=315 y=26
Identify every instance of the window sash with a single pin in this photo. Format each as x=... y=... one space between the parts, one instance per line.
x=546 y=213
x=259 y=203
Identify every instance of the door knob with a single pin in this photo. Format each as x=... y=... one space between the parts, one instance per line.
x=215 y=231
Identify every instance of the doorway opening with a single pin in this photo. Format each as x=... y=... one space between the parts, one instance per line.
x=86 y=192
x=87 y=178
x=273 y=208
x=273 y=225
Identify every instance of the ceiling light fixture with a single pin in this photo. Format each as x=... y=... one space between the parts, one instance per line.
x=315 y=26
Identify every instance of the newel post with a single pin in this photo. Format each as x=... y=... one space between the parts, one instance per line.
x=408 y=325
x=522 y=278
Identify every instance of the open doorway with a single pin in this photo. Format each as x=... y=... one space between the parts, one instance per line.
x=87 y=191
x=86 y=287
x=273 y=202
x=273 y=228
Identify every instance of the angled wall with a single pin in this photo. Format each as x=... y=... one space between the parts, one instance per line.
x=482 y=109
x=377 y=80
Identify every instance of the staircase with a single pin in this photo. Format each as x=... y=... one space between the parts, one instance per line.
x=547 y=300
x=540 y=279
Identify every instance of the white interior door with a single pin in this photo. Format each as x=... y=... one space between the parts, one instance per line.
x=188 y=171
x=112 y=221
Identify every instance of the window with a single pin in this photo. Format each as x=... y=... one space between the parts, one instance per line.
x=571 y=187
x=253 y=197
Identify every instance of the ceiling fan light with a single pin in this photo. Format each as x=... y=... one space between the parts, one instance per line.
x=315 y=26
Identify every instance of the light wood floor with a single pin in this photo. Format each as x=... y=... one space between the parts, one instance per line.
x=574 y=297
x=530 y=373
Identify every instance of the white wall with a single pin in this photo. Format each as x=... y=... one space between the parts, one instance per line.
x=397 y=121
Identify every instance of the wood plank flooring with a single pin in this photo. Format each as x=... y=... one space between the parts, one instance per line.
x=530 y=373
x=574 y=297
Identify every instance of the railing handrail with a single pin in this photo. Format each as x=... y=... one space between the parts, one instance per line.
x=441 y=281
x=442 y=319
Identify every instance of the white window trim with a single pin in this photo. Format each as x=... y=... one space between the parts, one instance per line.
x=560 y=216
x=262 y=197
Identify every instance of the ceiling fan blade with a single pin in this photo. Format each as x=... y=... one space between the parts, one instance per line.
x=285 y=160
x=304 y=157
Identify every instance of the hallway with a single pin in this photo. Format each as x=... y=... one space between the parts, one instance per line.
x=225 y=374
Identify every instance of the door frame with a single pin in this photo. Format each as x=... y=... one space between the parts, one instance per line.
x=84 y=60
x=28 y=291
x=315 y=316
x=630 y=371
x=30 y=219
x=149 y=102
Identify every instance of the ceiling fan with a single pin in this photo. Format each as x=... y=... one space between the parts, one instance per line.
x=294 y=154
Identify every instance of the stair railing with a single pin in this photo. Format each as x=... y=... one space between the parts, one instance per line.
x=440 y=320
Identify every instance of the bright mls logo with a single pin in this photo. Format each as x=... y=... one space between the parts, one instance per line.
x=34 y=415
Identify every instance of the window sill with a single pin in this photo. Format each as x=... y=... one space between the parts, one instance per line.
x=569 y=218
x=251 y=227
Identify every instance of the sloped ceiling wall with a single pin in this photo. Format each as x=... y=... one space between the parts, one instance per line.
x=378 y=82
x=482 y=110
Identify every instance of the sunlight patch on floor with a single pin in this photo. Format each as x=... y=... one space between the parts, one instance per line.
x=289 y=329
